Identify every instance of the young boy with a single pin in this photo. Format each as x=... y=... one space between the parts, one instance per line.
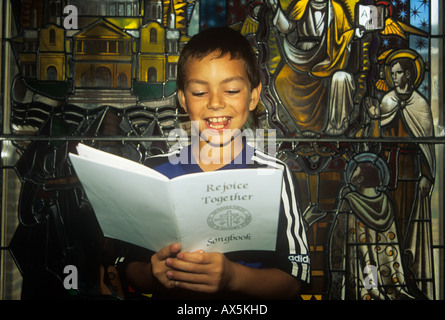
x=218 y=85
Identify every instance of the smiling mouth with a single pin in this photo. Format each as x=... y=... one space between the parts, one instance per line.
x=218 y=123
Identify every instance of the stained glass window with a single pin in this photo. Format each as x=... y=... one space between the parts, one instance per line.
x=351 y=88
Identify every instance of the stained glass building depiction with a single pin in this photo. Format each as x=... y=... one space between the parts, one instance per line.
x=367 y=157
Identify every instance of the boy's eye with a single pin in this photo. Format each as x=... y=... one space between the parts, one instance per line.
x=198 y=94
x=231 y=92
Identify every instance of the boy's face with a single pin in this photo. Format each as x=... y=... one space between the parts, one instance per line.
x=217 y=95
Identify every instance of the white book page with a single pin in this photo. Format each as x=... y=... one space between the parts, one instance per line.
x=116 y=161
x=228 y=210
x=128 y=205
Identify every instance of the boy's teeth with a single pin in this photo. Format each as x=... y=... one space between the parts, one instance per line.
x=217 y=122
x=220 y=119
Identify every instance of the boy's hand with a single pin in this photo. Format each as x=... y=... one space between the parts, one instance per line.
x=159 y=266
x=200 y=271
x=212 y=272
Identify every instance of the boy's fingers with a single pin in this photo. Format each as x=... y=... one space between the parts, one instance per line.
x=195 y=257
x=169 y=251
x=192 y=262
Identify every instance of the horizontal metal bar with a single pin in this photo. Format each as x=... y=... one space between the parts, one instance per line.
x=339 y=139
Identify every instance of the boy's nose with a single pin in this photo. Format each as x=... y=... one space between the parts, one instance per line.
x=215 y=102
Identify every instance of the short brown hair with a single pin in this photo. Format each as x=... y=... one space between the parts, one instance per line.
x=225 y=40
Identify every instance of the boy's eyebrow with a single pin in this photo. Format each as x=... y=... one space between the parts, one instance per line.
x=235 y=78
x=199 y=81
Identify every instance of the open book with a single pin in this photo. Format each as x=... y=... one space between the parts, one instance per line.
x=226 y=210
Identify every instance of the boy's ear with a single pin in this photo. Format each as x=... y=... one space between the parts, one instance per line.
x=181 y=99
x=255 y=97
